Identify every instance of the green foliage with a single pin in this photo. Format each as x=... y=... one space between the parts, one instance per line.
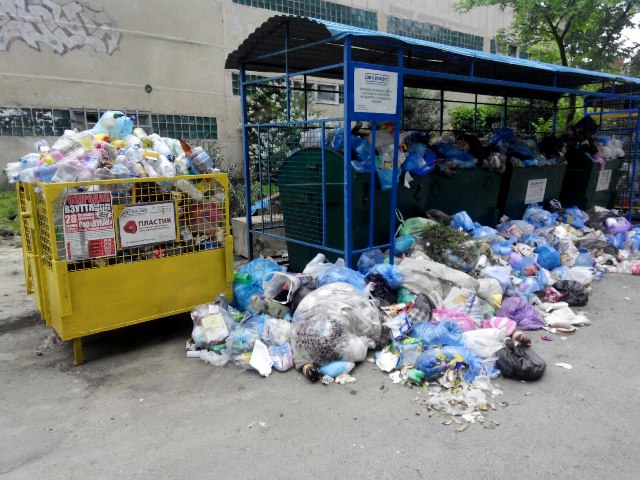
x=586 y=33
x=9 y=208
x=421 y=109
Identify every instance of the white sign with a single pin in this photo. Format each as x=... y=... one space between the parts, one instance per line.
x=604 y=178
x=375 y=91
x=535 y=191
x=147 y=224
x=88 y=226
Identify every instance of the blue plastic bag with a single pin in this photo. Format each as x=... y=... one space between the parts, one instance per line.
x=535 y=240
x=404 y=243
x=341 y=274
x=503 y=248
x=368 y=259
x=443 y=333
x=539 y=217
x=435 y=361
x=501 y=274
x=462 y=220
x=336 y=368
x=548 y=257
x=417 y=165
x=486 y=233
x=575 y=217
x=392 y=274
x=248 y=280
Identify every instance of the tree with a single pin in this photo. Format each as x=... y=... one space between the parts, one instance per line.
x=586 y=33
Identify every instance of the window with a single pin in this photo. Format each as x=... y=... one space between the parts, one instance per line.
x=433 y=33
x=326 y=93
x=86 y=118
x=37 y=122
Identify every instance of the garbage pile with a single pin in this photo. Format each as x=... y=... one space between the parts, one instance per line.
x=112 y=149
x=448 y=319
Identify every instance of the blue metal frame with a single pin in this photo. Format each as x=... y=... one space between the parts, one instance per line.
x=348 y=65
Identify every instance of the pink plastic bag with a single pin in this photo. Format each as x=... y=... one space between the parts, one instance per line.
x=459 y=318
x=617 y=225
x=507 y=324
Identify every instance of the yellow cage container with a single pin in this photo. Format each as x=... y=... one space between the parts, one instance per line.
x=101 y=255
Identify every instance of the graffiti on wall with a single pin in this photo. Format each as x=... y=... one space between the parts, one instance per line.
x=62 y=26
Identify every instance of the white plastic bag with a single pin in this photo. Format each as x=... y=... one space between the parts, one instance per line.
x=485 y=342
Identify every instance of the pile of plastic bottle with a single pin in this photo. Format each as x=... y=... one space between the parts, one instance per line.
x=112 y=149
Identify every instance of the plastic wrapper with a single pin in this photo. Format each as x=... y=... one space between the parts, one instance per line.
x=282 y=286
x=504 y=323
x=443 y=333
x=485 y=341
x=435 y=362
x=339 y=274
x=215 y=359
x=459 y=318
x=574 y=293
x=334 y=322
x=249 y=280
x=403 y=243
x=211 y=324
x=426 y=276
x=465 y=301
x=522 y=312
x=368 y=259
x=519 y=363
x=548 y=257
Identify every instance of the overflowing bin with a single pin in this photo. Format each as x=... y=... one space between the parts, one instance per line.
x=104 y=254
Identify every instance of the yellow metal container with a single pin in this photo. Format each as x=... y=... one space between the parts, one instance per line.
x=80 y=297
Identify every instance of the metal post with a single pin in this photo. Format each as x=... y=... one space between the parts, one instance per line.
x=396 y=143
x=306 y=106
x=324 y=184
x=441 y=111
x=634 y=169
x=348 y=91
x=504 y=113
x=475 y=113
x=372 y=184
x=554 y=120
x=247 y=167
x=286 y=71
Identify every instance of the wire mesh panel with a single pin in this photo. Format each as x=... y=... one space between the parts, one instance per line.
x=151 y=219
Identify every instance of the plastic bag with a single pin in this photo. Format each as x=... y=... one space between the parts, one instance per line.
x=484 y=233
x=443 y=333
x=503 y=248
x=336 y=368
x=539 y=217
x=501 y=274
x=459 y=318
x=281 y=356
x=392 y=274
x=211 y=324
x=248 y=280
x=504 y=323
x=425 y=276
x=276 y=331
x=462 y=220
x=281 y=286
x=535 y=240
x=368 y=259
x=574 y=293
x=582 y=275
x=403 y=243
x=490 y=290
x=435 y=361
x=485 y=341
x=336 y=274
x=548 y=257
x=514 y=361
x=575 y=217
x=334 y=322
x=416 y=226
x=241 y=340
x=523 y=313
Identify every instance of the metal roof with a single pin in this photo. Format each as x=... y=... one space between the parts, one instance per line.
x=492 y=74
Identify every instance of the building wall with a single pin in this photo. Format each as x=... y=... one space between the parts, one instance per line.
x=62 y=54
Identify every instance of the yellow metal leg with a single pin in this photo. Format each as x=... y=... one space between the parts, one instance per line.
x=78 y=356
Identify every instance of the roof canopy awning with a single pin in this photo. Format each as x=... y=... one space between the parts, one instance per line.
x=316 y=43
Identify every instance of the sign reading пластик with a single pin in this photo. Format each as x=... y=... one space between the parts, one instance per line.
x=375 y=91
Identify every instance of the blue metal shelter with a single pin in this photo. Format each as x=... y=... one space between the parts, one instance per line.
x=374 y=69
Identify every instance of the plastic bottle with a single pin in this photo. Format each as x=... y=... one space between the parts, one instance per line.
x=200 y=160
x=310 y=371
x=46 y=172
x=13 y=171
x=190 y=189
x=583 y=259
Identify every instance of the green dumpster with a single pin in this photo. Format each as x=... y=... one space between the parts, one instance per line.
x=522 y=186
x=587 y=185
x=300 y=184
x=474 y=190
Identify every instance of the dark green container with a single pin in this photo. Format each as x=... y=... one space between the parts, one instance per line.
x=474 y=190
x=524 y=185
x=586 y=186
x=300 y=184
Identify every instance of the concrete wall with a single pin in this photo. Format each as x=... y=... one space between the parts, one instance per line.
x=101 y=54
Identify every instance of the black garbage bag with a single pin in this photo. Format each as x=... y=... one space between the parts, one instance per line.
x=574 y=293
x=381 y=289
x=519 y=363
x=439 y=216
